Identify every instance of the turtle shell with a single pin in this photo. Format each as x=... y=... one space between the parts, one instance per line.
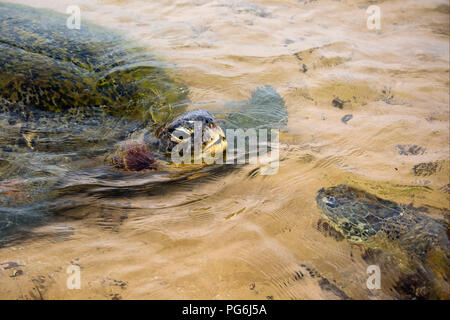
x=51 y=67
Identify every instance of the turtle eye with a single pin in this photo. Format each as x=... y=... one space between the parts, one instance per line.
x=179 y=134
x=329 y=201
x=174 y=138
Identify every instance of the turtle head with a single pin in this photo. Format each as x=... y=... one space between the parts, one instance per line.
x=337 y=204
x=329 y=202
x=194 y=127
x=356 y=213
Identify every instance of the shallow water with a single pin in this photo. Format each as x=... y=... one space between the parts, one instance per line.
x=234 y=233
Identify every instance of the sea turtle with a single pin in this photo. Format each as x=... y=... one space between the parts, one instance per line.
x=78 y=107
x=416 y=241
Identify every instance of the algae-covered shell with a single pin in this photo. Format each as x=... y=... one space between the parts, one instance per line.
x=45 y=64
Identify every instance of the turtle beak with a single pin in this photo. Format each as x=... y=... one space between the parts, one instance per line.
x=213 y=140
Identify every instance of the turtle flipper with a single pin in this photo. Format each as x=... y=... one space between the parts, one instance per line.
x=265 y=109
